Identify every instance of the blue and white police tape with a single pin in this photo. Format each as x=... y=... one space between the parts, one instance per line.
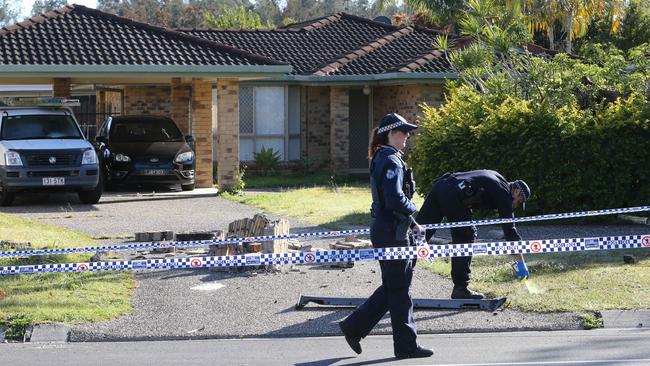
x=321 y=234
x=348 y=255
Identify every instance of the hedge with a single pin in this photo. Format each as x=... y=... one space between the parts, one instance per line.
x=572 y=159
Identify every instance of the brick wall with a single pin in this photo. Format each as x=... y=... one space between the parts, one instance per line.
x=150 y=99
x=180 y=105
x=107 y=102
x=316 y=126
x=202 y=130
x=404 y=99
x=61 y=87
x=228 y=132
x=339 y=129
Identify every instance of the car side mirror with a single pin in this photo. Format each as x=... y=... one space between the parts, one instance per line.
x=101 y=139
x=189 y=139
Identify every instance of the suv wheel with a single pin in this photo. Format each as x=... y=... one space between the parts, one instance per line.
x=6 y=198
x=187 y=187
x=91 y=197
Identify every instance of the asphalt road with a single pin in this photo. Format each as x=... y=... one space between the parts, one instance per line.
x=564 y=348
x=191 y=304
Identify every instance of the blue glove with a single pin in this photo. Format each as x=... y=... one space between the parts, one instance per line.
x=521 y=269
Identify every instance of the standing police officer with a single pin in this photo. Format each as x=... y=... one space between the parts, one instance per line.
x=453 y=196
x=392 y=188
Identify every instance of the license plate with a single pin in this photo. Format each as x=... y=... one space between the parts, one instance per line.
x=154 y=172
x=54 y=181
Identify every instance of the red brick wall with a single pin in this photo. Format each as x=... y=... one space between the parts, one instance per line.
x=315 y=128
x=151 y=99
x=405 y=99
x=61 y=87
x=339 y=129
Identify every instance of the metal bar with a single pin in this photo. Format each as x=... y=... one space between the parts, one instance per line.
x=486 y=304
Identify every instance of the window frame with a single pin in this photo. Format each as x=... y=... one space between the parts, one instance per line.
x=286 y=135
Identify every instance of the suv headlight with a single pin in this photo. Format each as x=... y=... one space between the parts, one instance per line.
x=89 y=157
x=12 y=158
x=184 y=157
x=121 y=158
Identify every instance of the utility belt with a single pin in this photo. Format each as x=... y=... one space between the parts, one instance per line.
x=468 y=194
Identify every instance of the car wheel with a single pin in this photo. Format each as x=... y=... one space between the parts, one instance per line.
x=91 y=197
x=187 y=187
x=6 y=198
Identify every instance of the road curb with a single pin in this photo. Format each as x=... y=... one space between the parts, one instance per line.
x=626 y=318
x=50 y=333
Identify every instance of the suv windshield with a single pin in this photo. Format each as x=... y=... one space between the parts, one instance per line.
x=33 y=126
x=146 y=130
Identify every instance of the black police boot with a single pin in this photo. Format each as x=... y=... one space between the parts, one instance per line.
x=353 y=341
x=419 y=352
x=465 y=293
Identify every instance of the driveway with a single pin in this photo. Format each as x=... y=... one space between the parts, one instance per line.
x=205 y=304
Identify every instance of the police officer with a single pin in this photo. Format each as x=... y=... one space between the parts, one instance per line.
x=454 y=195
x=392 y=188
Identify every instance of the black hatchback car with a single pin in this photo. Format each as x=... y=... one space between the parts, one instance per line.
x=145 y=150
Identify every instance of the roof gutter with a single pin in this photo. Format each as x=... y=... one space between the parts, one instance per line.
x=393 y=78
x=139 y=71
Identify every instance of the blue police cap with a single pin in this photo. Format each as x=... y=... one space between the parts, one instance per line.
x=525 y=191
x=393 y=121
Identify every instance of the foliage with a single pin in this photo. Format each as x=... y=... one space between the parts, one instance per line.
x=44 y=6
x=9 y=10
x=592 y=321
x=236 y=18
x=15 y=327
x=271 y=13
x=267 y=160
x=571 y=129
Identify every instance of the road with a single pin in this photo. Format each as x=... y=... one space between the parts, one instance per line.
x=601 y=347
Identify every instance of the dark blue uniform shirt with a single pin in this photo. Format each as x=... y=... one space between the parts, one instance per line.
x=391 y=205
x=490 y=191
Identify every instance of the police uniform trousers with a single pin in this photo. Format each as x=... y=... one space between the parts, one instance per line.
x=393 y=295
x=447 y=203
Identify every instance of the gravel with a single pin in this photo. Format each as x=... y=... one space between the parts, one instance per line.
x=168 y=304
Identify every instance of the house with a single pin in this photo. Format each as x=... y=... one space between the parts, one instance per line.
x=311 y=91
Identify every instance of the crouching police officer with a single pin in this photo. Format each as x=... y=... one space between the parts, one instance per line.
x=453 y=196
x=392 y=190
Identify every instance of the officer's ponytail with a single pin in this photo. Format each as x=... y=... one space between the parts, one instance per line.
x=376 y=140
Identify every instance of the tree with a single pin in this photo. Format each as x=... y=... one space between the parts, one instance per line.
x=573 y=16
x=236 y=18
x=9 y=10
x=43 y=6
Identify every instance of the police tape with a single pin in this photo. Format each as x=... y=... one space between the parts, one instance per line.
x=347 y=255
x=313 y=235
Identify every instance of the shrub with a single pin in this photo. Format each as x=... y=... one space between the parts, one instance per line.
x=267 y=160
x=573 y=159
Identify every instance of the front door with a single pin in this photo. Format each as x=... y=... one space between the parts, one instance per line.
x=359 y=130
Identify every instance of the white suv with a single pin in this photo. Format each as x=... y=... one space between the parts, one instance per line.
x=43 y=148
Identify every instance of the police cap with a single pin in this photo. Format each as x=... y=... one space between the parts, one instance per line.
x=393 y=121
x=524 y=189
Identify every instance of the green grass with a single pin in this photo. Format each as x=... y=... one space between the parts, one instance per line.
x=334 y=208
x=58 y=297
x=583 y=281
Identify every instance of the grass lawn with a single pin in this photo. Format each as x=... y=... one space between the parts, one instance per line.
x=57 y=297
x=583 y=281
x=331 y=207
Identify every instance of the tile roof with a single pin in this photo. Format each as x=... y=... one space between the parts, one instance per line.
x=341 y=44
x=335 y=45
x=76 y=35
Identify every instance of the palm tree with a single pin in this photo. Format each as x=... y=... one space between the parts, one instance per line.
x=572 y=15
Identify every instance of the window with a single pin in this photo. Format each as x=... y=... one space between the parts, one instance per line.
x=32 y=126
x=269 y=117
